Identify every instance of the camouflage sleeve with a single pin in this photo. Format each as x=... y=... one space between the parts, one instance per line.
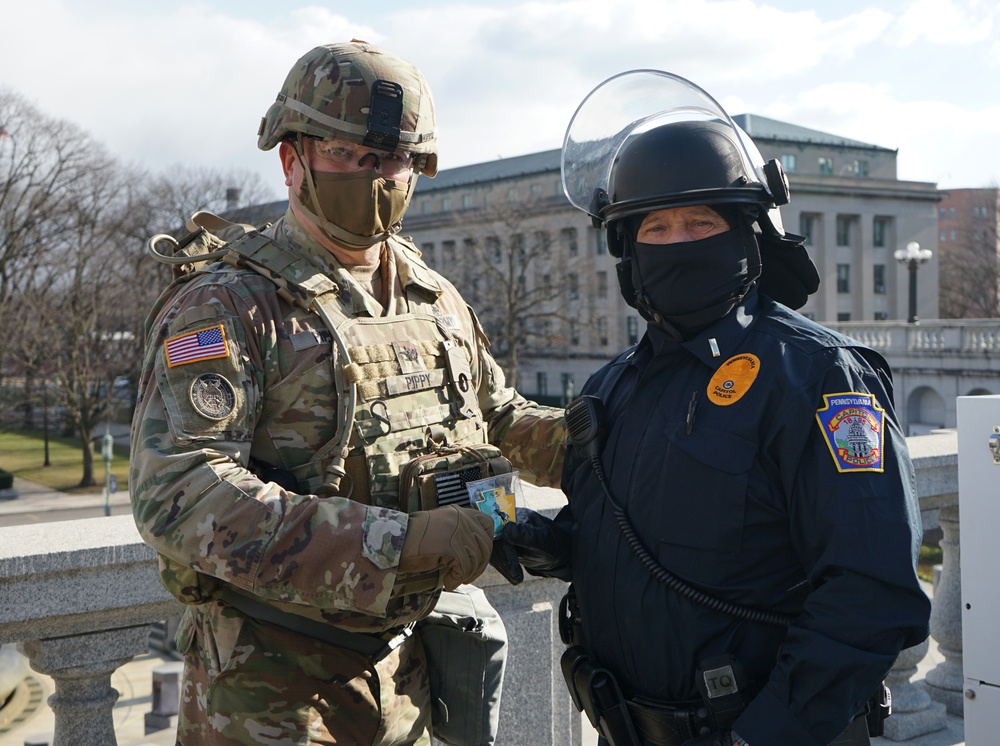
x=194 y=499
x=532 y=436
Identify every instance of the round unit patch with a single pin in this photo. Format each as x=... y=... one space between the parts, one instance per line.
x=212 y=396
x=733 y=379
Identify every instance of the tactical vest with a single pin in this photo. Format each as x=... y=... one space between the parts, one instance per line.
x=406 y=399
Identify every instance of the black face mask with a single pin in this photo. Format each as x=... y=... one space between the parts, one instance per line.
x=691 y=284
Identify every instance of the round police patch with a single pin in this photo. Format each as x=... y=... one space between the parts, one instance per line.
x=733 y=379
x=212 y=396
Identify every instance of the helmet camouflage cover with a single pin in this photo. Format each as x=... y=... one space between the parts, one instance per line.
x=355 y=91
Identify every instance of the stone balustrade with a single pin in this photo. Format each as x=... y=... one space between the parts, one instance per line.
x=78 y=597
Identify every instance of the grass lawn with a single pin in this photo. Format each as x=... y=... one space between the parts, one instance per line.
x=22 y=452
x=930 y=555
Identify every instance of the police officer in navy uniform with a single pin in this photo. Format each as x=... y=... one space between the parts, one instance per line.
x=742 y=528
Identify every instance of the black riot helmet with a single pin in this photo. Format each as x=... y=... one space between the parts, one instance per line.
x=680 y=163
x=646 y=140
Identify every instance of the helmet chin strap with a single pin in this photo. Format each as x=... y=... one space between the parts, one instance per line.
x=343 y=238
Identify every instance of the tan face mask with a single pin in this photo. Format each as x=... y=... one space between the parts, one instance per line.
x=357 y=209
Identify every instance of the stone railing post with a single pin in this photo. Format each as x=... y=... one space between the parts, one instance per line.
x=82 y=595
x=81 y=668
x=945 y=682
x=914 y=712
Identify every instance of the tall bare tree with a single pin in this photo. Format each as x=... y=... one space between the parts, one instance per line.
x=522 y=286
x=969 y=270
x=42 y=161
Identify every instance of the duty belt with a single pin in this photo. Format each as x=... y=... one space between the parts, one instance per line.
x=663 y=724
x=373 y=647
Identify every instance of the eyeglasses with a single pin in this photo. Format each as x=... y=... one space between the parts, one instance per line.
x=347 y=156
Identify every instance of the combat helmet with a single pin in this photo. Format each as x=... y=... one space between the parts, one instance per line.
x=359 y=92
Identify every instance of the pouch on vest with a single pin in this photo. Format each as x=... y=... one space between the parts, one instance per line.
x=466 y=646
x=439 y=478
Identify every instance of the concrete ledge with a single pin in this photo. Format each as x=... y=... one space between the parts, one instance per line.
x=78 y=576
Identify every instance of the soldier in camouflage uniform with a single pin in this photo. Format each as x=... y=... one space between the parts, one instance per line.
x=284 y=391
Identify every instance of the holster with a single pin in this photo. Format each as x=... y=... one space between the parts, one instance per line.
x=879 y=707
x=570 y=624
x=594 y=691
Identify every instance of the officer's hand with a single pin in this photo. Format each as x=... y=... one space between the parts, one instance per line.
x=542 y=546
x=456 y=539
x=719 y=738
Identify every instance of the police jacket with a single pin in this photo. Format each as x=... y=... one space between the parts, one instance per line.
x=762 y=462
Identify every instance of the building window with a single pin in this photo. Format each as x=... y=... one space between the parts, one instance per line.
x=943 y=236
x=951 y=235
x=517 y=244
x=942 y=213
x=811 y=315
x=861 y=168
x=468 y=248
x=559 y=189
x=880 y=231
x=466 y=201
x=788 y=162
x=808 y=226
x=493 y=249
x=542 y=383
x=602 y=332
x=425 y=207
x=542 y=241
x=445 y=204
x=536 y=190
x=951 y=210
x=511 y=194
x=845 y=225
x=448 y=251
x=572 y=286
x=844 y=316
x=602 y=284
x=879 y=279
x=881 y=315
x=427 y=250
x=569 y=240
x=843 y=278
x=632 y=329
x=574 y=332
x=568 y=389
x=600 y=245
x=825 y=166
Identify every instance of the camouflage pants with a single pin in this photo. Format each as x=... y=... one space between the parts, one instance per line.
x=249 y=682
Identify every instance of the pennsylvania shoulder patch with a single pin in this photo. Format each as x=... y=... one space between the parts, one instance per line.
x=853 y=425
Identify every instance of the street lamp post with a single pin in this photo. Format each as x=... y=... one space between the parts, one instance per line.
x=912 y=257
x=107 y=451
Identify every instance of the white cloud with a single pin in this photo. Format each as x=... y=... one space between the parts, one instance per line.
x=933 y=137
x=164 y=84
x=943 y=22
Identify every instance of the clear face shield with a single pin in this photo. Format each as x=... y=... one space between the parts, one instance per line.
x=635 y=102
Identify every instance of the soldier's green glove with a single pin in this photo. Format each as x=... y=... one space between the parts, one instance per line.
x=458 y=540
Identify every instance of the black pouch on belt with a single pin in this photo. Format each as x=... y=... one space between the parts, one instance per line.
x=723 y=687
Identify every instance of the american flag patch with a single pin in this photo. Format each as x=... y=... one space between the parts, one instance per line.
x=451 y=485
x=204 y=344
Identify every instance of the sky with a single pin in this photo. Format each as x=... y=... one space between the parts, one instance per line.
x=164 y=83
